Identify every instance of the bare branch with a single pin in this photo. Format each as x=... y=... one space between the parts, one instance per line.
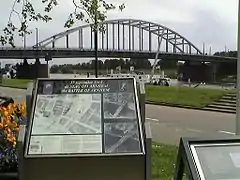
x=13 y=10
x=84 y=9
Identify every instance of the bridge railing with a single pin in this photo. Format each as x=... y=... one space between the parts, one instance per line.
x=89 y=49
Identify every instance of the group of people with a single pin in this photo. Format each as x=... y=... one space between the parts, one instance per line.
x=161 y=82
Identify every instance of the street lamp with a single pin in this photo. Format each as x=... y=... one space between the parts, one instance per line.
x=238 y=76
x=96 y=44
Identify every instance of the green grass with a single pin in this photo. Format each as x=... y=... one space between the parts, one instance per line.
x=183 y=96
x=180 y=96
x=163 y=161
x=16 y=83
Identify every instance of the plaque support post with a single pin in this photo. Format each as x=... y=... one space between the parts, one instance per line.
x=142 y=101
x=20 y=149
x=146 y=131
x=29 y=96
x=179 y=166
x=148 y=147
x=183 y=162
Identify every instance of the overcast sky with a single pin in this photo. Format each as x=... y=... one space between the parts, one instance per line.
x=211 y=21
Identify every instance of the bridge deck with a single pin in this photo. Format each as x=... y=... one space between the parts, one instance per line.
x=32 y=53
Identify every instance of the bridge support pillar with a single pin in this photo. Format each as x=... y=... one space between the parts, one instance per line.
x=214 y=71
x=225 y=70
x=196 y=71
x=32 y=71
x=43 y=71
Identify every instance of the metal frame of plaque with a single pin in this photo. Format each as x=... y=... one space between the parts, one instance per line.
x=222 y=161
x=124 y=120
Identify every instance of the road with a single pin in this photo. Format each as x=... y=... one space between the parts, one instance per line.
x=168 y=124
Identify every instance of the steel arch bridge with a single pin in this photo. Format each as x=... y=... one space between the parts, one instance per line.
x=125 y=35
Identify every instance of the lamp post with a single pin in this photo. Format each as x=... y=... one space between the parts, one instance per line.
x=238 y=76
x=37 y=37
x=24 y=35
x=96 y=44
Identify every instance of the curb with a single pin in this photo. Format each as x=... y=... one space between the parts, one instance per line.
x=171 y=105
x=14 y=87
x=220 y=111
x=185 y=107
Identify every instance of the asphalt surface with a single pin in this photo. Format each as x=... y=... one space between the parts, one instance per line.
x=17 y=94
x=168 y=124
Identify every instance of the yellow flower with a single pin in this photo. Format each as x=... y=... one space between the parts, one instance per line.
x=8 y=123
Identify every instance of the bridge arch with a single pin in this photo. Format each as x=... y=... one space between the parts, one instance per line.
x=178 y=42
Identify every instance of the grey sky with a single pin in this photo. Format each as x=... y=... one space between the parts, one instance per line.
x=211 y=21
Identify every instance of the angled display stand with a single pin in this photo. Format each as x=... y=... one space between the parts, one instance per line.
x=81 y=126
x=209 y=159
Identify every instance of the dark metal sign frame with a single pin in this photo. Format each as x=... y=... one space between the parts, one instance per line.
x=185 y=158
x=136 y=96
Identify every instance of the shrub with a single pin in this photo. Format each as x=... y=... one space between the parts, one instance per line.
x=11 y=116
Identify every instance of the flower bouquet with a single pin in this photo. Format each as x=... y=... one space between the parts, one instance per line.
x=11 y=116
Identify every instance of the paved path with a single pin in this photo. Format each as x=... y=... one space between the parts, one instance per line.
x=169 y=124
x=17 y=94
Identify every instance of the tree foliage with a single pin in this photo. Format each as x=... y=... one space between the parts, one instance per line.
x=106 y=65
x=227 y=54
x=90 y=11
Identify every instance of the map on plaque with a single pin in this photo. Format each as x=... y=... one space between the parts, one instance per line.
x=85 y=116
x=217 y=162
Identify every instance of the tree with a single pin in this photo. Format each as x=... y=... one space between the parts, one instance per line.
x=228 y=53
x=90 y=11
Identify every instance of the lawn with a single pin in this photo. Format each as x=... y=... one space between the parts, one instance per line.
x=179 y=96
x=16 y=83
x=163 y=161
x=183 y=96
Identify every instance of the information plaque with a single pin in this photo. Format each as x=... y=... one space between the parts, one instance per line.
x=85 y=116
x=211 y=159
